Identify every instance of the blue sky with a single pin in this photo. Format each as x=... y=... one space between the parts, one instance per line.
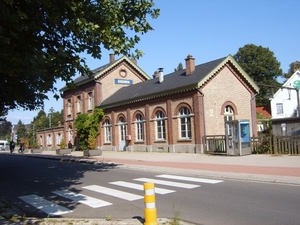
x=208 y=30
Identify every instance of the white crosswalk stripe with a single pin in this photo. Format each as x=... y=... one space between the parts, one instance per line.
x=168 y=183
x=44 y=205
x=53 y=209
x=84 y=199
x=140 y=187
x=113 y=192
x=194 y=179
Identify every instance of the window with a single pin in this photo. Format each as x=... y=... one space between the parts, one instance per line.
x=160 y=126
x=139 y=128
x=69 y=107
x=58 y=139
x=185 y=123
x=228 y=113
x=41 y=140
x=107 y=133
x=279 y=108
x=79 y=103
x=49 y=139
x=90 y=101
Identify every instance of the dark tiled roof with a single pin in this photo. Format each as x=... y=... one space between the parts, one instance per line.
x=173 y=82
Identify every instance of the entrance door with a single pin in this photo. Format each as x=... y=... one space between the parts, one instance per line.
x=122 y=134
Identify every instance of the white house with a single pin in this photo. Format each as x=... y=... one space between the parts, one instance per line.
x=285 y=102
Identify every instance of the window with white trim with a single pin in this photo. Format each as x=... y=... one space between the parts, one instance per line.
x=107 y=133
x=185 y=123
x=279 y=108
x=69 y=107
x=58 y=139
x=160 y=126
x=79 y=104
x=139 y=128
x=90 y=101
x=49 y=139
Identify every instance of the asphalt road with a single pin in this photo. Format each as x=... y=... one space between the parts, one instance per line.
x=208 y=201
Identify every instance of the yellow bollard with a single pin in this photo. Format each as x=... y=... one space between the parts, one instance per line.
x=149 y=199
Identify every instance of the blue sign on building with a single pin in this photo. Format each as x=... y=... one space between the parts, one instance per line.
x=121 y=81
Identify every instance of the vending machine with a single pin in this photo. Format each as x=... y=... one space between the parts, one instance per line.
x=238 y=140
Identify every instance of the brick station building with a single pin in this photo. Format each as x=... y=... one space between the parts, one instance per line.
x=164 y=113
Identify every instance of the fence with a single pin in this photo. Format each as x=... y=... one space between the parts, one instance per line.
x=264 y=144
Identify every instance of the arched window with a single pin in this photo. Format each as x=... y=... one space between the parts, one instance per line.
x=185 y=123
x=139 y=128
x=228 y=113
x=107 y=131
x=160 y=126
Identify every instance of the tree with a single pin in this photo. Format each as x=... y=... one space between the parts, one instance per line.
x=41 y=42
x=5 y=129
x=262 y=66
x=293 y=67
x=179 y=67
x=87 y=127
x=21 y=130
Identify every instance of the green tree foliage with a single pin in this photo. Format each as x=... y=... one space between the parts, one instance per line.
x=262 y=66
x=41 y=42
x=293 y=67
x=5 y=130
x=87 y=128
x=179 y=67
x=21 y=130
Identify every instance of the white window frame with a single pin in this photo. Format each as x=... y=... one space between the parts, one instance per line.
x=49 y=139
x=90 y=101
x=69 y=106
x=185 y=123
x=58 y=138
x=107 y=133
x=79 y=104
x=279 y=108
x=160 y=126
x=139 y=127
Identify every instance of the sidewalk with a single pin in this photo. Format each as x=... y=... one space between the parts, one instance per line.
x=262 y=168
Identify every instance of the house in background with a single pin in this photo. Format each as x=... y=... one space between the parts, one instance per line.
x=285 y=102
x=285 y=107
x=263 y=115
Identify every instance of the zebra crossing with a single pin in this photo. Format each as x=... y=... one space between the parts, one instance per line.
x=164 y=181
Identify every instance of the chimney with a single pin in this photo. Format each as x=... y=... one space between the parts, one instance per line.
x=134 y=61
x=111 y=58
x=156 y=74
x=161 y=75
x=189 y=65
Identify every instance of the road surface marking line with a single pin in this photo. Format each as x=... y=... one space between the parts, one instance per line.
x=44 y=205
x=168 y=183
x=194 y=179
x=84 y=199
x=113 y=192
x=140 y=187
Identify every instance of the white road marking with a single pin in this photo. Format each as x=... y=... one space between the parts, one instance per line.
x=113 y=192
x=84 y=199
x=140 y=187
x=194 y=179
x=44 y=205
x=168 y=183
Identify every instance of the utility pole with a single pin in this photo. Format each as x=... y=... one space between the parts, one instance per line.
x=50 y=114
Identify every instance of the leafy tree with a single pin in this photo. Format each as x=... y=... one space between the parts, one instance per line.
x=293 y=67
x=40 y=121
x=41 y=42
x=87 y=127
x=21 y=130
x=5 y=129
x=179 y=67
x=262 y=66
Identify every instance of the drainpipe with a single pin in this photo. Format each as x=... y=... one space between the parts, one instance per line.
x=252 y=116
x=202 y=95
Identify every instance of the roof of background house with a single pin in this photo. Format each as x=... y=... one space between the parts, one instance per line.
x=265 y=111
x=175 y=82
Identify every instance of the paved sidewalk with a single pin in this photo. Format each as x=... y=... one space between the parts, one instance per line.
x=263 y=168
